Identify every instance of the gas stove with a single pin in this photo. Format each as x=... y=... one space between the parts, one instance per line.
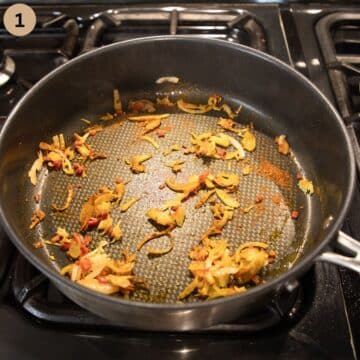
x=318 y=317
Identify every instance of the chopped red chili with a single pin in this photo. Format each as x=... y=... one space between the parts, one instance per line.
x=93 y=221
x=57 y=164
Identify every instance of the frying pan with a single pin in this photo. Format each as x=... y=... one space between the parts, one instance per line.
x=275 y=98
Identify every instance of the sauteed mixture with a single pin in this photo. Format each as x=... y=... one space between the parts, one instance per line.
x=216 y=270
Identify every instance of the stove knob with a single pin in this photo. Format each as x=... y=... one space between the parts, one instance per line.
x=7 y=68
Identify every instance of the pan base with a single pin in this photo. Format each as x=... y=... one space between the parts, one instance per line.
x=167 y=275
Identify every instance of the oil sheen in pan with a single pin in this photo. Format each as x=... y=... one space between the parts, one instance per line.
x=168 y=275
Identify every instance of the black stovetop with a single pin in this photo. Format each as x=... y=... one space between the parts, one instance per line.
x=318 y=319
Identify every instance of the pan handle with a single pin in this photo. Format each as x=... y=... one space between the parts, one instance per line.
x=348 y=244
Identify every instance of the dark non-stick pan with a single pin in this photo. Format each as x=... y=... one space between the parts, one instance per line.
x=275 y=98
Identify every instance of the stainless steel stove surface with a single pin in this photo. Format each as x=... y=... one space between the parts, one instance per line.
x=318 y=317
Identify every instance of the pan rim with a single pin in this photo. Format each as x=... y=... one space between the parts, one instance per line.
x=263 y=289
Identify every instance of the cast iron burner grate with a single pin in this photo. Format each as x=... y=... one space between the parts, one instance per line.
x=239 y=26
x=339 y=38
x=58 y=37
x=41 y=299
x=53 y=42
x=25 y=60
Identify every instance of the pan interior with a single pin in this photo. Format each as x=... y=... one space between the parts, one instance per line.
x=167 y=275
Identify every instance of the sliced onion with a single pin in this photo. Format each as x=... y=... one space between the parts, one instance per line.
x=155 y=235
x=151 y=125
x=238 y=147
x=283 y=145
x=248 y=141
x=227 y=199
x=193 y=108
x=148 y=117
x=36 y=166
x=136 y=163
x=70 y=196
x=151 y=141
x=158 y=252
x=117 y=102
x=170 y=79
x=129 y=204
